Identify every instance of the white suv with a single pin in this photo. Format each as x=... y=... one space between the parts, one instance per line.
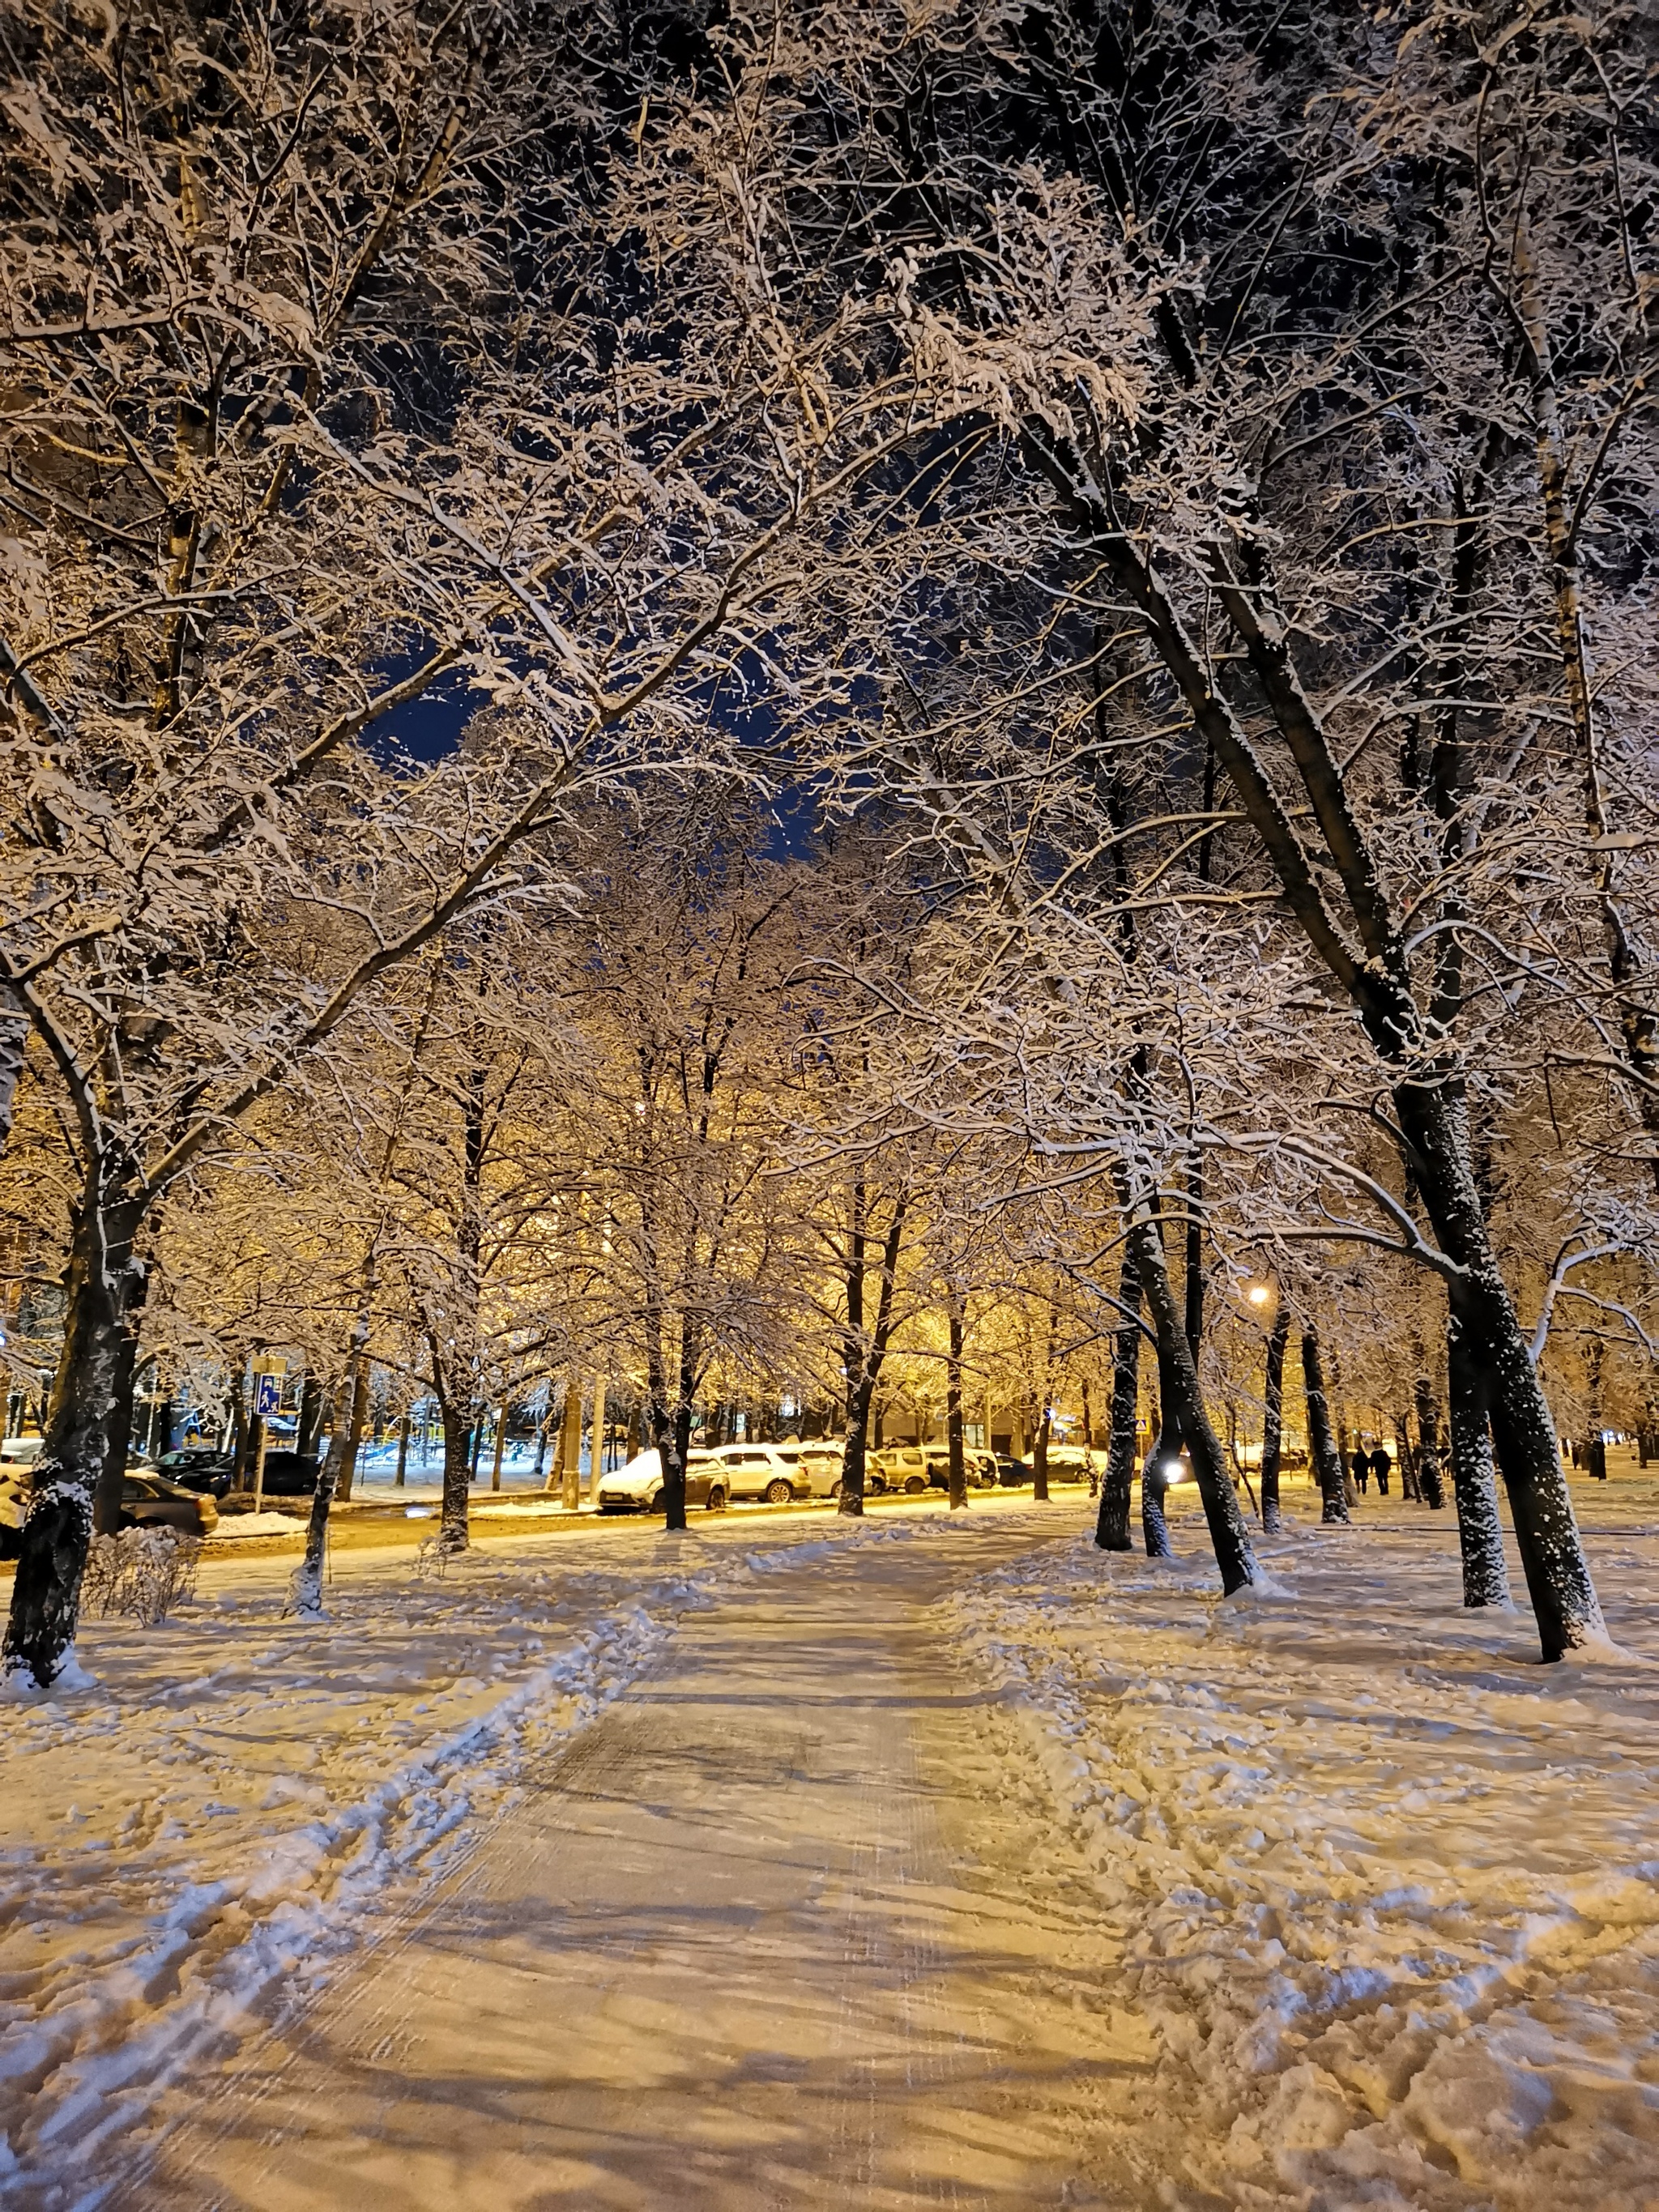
x=770 y=1471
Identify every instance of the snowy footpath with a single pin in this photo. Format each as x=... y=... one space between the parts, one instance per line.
x=936 y=1861
x=1387 y=1890
x=191 y=1844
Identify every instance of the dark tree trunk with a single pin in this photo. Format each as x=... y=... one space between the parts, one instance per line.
x=112 y=1476
x=1408 y=1488
x=343 y=1447
x=309 y=1427
x=570 y=1450
x=1558 y=1582
x=866 y=1350
x=1228 y=1534
x=1194 y=1301
x=452 y=1530
x=1596 y=1458
x=14 y=1046
x=855 y=1452
x=1044 y=1424
x=82 y=1418
x=671 y=1429
x=1040 y=1461
x=242 y=1438
x=958 y=1485
x=1428 y=1448
x=1474 y=1482
x=1272 y=1425
x=1112 y=1525
x=398 y=1479
x=1154 y=1485
x=1320 y=1443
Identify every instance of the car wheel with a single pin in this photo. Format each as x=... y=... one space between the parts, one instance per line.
x=915 y=1485
x=835 y=1487
x=717 y=1500
x=779 y=1493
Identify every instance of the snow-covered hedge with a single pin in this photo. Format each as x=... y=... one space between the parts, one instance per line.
x=144 y=1573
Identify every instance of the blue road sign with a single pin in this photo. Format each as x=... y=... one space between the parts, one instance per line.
x=267 y=1395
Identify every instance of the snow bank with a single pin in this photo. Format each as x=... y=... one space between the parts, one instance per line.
x=1387 y=1890
x=233 y=1800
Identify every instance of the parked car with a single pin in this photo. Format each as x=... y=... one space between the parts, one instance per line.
x=750 y=1471
x=979 y=1467
x=289 y=1473
x=1070 y=1462
x=201 y=1466
x=637 y=1487
x=17 y=1456
x=818 y=1466
x=150 y=1501
x=1011 y=1473
x=902 y=1467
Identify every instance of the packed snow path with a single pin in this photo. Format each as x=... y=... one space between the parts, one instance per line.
x=723 y=1956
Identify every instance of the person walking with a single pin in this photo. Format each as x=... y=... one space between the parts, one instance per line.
x=1381 y=1467
x=1362 y=1469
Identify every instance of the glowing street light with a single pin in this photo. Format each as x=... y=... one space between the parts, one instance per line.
x=1260 y=1294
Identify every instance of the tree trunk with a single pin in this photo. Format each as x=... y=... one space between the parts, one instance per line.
x=1228 y=1534
x=342 y=1448
x=1340 y=1421
x=1428 y=1455
x=867 y=1351
x=855 y=1450
x=1474 y=1482
x=101 y=1281
x=309 y=1425
x=1112 y=1523
x=1321 y=1443
x=356 y=1395
x=14 y=1045
x=596 y=1449
x=1154 y=1484
x=1595 y=1459
x=501 y=1444
x=107 y=1497
x=1559 y=1582
x=570 y=1446
x=403 y=1452
x=958 y=1481
x=1044 y=1427
x=1408 y=1488
x=1273 y=1398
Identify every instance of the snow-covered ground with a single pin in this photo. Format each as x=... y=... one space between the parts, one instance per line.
x=1388 y=1888
x=189 y=1845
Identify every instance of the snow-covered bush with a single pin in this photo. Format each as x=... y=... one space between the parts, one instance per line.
x=143 y=1572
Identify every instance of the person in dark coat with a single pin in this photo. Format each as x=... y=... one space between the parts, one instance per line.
x=1362 y=1469
x=1381 y=1465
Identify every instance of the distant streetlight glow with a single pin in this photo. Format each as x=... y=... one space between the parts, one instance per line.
x=1260 y=1294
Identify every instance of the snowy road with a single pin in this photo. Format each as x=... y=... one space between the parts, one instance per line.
x=763 y=1935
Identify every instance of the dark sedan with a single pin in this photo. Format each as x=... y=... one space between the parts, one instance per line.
x=201 y=1468
x=150 y=1501
x=1011 y=1473
x=289 y=1473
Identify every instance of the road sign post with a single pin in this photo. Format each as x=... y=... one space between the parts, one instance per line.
x=268 y=1373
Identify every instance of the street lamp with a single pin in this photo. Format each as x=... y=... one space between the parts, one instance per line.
x=1259 y=1294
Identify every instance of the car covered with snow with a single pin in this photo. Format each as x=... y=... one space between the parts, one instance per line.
x=637 y=1487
